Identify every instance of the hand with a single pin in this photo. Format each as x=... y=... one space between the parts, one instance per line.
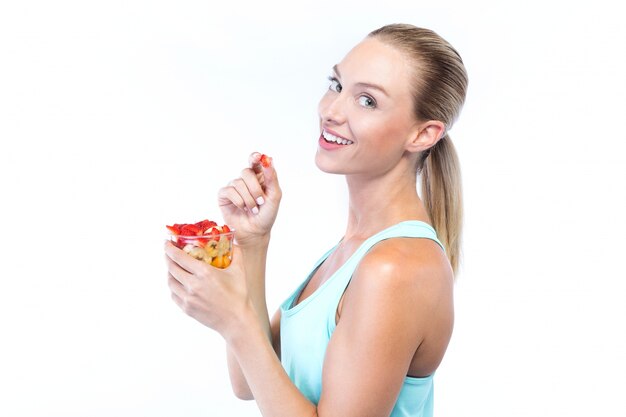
x=250 y=203
x=215 y=297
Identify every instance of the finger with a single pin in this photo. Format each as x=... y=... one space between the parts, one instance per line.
x=180 y=302
x=176 y=288
x=182 y=266
x=242 y=189
x=269 y=179
x=271 y=186
x=229 y=195
x=177 y=272
x=251 y=180
x=237 y=258
x=255 y=161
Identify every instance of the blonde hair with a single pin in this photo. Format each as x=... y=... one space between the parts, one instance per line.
x=438 y=90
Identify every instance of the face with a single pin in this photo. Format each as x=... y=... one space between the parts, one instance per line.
x=368 y=110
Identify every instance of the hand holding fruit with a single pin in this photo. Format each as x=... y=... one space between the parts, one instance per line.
x=215 y=297
x=250 y=203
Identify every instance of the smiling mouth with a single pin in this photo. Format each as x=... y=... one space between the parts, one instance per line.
x=330 y=138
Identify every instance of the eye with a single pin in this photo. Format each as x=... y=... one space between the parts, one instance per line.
x=334 y=84
x=367 y=101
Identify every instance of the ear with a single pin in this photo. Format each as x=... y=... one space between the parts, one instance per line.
x=426 y=135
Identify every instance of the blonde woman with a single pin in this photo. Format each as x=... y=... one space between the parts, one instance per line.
x=365 y=332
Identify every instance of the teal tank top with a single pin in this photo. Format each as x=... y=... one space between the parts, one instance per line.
x=306 y=328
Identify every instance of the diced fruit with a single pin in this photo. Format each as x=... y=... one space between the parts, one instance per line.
x=205 y=225
x=195 y=251
x=174 y=229
x=214 y=234
x=204 y=241
x=190 y=230
x=266 y=161
x=218 y=262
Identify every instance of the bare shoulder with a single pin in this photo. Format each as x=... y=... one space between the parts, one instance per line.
x=405 y=286
x=407 y=264
x=395 y=321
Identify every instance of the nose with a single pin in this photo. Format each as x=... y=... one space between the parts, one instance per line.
x=331 y=109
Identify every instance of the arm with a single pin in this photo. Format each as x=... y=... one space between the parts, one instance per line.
x=254 y=264
x=237 y=378
x=396 y=302
x=252 y=222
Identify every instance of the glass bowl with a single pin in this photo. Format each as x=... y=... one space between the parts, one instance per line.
x=213 y=248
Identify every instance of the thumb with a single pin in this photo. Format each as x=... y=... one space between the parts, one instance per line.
x=263 y=164
x=272 y=188
x=236 y=257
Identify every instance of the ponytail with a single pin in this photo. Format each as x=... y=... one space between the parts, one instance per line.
x=442 y=195
x=439 y=89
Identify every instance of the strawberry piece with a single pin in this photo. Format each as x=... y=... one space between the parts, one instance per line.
x=197 y=234
x=205 y=225
x=266 y=161
x=214 y=234
x=226 y=229
x=174 y=229
x=179 y=242
x=190 y=230
x=202 y=242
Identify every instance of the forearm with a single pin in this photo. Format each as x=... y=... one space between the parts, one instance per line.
x=270 y=385
x=254 y=263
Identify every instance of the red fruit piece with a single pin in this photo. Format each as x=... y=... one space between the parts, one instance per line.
x=205 y=225
x=214 y=234
x=190 y=230
x=266 y=161
x=197 y=234
x=179 y=242
x=174 y=229
x=226 y=229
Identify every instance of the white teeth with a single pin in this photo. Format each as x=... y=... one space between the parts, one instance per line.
x=332 y=138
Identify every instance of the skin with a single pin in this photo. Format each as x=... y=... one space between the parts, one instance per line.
x=396 y=316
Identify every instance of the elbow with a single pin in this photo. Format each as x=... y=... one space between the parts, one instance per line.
x=242 y=392
x=245 y=396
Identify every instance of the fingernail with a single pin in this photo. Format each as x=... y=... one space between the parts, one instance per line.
x=255 y=210
x=260 y=201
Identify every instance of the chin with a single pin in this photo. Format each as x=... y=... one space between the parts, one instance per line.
x=324 y=165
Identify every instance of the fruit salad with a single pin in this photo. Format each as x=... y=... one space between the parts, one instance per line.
x=205 y=241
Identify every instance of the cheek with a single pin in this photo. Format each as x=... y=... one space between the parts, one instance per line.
x=384 y=136
x=323 y=104
x=371 y=130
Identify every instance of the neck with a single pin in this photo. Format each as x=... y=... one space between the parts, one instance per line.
x=382 y=201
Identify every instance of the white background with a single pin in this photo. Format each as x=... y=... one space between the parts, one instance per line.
x=117 y=117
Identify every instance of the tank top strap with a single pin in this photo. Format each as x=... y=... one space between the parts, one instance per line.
x=334 y=287
x=409 y=228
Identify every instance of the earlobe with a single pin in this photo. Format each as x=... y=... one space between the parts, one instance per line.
x=427 y=136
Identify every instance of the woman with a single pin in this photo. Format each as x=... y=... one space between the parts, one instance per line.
x=365 y=332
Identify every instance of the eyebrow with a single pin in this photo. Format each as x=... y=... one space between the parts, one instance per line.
x=374 y=86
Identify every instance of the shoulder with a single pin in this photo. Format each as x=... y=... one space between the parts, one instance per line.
x=404 y=281
x=389 y=312
x=405 y=264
